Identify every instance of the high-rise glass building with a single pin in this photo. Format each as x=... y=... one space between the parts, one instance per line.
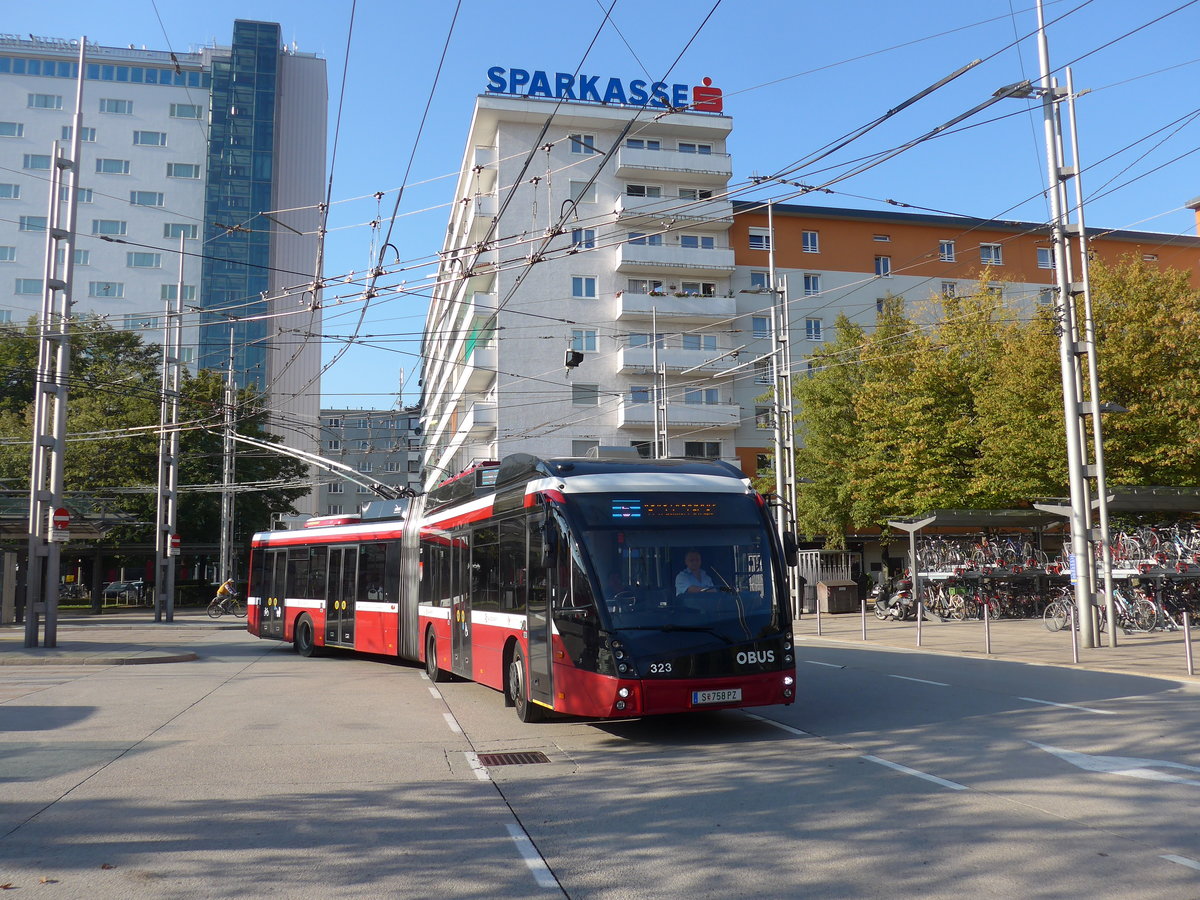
x=223 y=147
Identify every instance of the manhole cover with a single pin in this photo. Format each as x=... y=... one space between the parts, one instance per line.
x=523 y=758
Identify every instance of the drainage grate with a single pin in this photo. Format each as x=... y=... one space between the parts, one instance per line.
x=523 y=758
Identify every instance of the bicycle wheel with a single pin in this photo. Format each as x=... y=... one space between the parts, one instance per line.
x=1144 y=615
x=239 y=609
x=214 y=609
x=1056 y=615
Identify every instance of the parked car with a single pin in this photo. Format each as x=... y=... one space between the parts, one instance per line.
x=129 y=591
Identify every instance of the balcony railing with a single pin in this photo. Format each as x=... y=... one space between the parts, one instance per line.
x=715 y=262
x=697 y=415
x=637 y=360
x=633 y=208
x=701 y=168
x=688 y=309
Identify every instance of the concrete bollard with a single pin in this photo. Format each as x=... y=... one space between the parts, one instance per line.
x=1187 y=643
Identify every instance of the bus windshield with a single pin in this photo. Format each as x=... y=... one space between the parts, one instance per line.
x=699 y=567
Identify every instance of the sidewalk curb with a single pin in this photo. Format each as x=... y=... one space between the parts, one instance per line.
x=143 y=658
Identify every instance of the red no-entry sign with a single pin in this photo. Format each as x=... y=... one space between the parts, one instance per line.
x=62 y=519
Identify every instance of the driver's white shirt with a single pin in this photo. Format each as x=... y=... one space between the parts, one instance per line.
x=686 y=579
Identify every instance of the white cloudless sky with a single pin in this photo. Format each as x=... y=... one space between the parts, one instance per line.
x=795 y=75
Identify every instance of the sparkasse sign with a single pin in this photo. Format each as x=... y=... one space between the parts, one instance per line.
x=592 y=88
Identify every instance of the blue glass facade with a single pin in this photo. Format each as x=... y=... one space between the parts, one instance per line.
x=241 y=150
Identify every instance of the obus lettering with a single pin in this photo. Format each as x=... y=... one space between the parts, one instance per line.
x=755 y=656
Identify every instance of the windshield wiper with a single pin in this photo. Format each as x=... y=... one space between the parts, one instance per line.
x=671 y=627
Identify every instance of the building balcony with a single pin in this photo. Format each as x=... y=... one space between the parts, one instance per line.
x=699 y=310
x=640 y=360
x=664 y=259
x=481 y=369
x=486 y=168
x=692 y=415
x=483 y=213
x=692 y=168
x=631 y=210
x=481 y=420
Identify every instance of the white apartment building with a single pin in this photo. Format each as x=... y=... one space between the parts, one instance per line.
x=639 y=276
x=178 y=144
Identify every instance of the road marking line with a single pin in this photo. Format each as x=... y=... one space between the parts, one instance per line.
x=423 y=675
x=537 y=866
x=921 y=680
x=813 y=662
x=479 y=768
x=436 y=694
x=778 y=725
x=452 y=722
x=1099 y=712
x=953 y=785
x=1182 y=860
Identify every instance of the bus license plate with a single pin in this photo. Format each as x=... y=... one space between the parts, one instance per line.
x=726 y=695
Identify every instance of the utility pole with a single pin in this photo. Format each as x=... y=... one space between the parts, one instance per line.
x=660 y=391
x=784 y=435
x=227 y=472
x=168 y=453
x=50 y=387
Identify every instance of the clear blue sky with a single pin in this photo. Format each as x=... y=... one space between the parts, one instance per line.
x=796 y=76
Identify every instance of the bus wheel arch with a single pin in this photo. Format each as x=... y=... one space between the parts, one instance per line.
x=304 y=636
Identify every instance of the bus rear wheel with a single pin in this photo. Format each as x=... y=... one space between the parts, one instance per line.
x=305 y=637
x=435 y=674
x=518 y=689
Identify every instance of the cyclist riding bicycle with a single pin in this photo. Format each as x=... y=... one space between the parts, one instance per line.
x=225 y=593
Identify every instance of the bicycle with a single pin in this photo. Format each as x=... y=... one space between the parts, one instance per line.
x=230 y=603
x=1060 y=611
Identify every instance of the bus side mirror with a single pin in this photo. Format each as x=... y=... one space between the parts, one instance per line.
x=791 y=550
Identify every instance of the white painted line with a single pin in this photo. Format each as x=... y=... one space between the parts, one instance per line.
x=921 y=680
x=423 y=675
x=778 y=725
x=1099 y=712
x=479 y=768
x=1182 y=860
x=953 y=785
x=813 y=662
x=434 y=691
x=541 y=872
x=452 y=722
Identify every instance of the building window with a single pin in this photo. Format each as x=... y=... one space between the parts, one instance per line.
x=183 y=170
x=5 y=316
x=810 y=241
x=880 y=303
x=1149 y=257
x=697 y=241
x=762 y=462
x=812 y=329
x=88 y=135
x=645 y=240
x=638 y=339
x=333 y=445
x=645 y=449
x=84 y=194
x=883 y=266
x=1045 y=257
x=43 y=101
x=583 y=340
x=701 y=397
x=118 y=107
x=702 y=449
x=581 y=448
x=585 y=395
x=10 y=192
x=145 y=198
x=583 y=143
x=699 y=288
x=143 y=260
x=812 y=285
x=1046 y=297
x=36 y=161
x=185 y=111
x=391 y=467
x=686 y=193
x=28 y=286
x=643 y=144
x=882 y=238
x=414 y=465
x=8 y=254
x=336 y=487
x=150 y=138
x=949 y=289
x=108 y=226
x=643 y=190
x=582 y=192
x=583 y=238
x=946 y=251
x=760 y=239
x=699 y=342
x=82 y=257
x=175 y=229
x=135 y=322
x=12 y=129
x=764 y=417
x=991 y=254
x=759 y=280
x=687 y=147
x=333 y=509
x=583 y=287
x=639 y=393
x=996 y=287
x=112 y=166
x=365 y=467
x=31 y=223
x=364 y=445
x=333 y=423
x=760 y=326
x=762 y=371
x=171 y=292
x=109 y=290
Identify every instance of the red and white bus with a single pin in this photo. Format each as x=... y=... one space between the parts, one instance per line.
x=560 y=582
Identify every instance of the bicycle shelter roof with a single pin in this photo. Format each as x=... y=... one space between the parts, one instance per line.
x=986 y=518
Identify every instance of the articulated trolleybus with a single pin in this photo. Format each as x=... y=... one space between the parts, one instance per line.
x=569 y=584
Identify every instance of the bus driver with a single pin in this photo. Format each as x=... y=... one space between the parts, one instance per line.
x=693 y=579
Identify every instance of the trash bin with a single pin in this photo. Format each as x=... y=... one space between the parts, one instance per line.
x=838 y=596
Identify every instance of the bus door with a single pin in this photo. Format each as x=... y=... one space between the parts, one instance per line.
x=270 y=605
x=339 y=595
x=545 y=540
x=459 y=590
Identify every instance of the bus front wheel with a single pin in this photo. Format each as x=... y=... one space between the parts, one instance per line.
x=435 y=674
x=518 y=689
x=305 y=637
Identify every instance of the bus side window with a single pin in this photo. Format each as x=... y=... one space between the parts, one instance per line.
x=512 y=564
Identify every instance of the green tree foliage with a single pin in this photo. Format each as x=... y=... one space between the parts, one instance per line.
x=112 y=426
x=960 y=405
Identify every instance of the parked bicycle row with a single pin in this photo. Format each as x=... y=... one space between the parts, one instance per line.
x=1142 y=608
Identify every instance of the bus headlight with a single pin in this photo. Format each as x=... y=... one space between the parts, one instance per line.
x=623 y=692
x=787 y=657
x=622 y=668
x=620 y=704
x=787 y=643
x=788 y=679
